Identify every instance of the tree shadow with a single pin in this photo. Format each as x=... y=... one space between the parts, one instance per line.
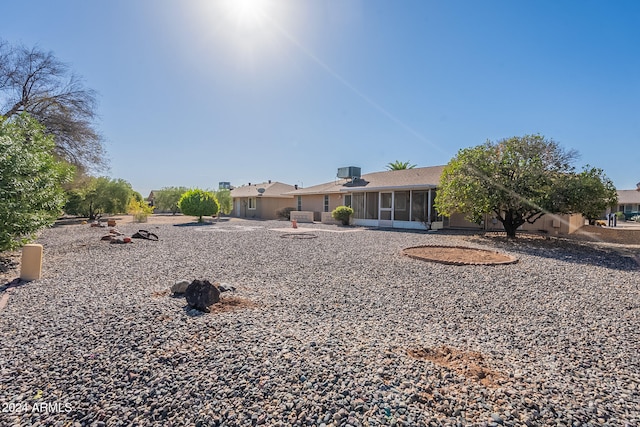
x=624 y=259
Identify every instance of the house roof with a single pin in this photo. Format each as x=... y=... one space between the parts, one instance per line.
x=271 y=189
x=626 y=197
x=428 y=177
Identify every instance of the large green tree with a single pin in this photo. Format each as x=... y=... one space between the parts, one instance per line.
x=36 y=82
x=97 y=196
x=198 y=203
x=31 y=180
x=167 y=198
x=398 y=165
x=518 y=180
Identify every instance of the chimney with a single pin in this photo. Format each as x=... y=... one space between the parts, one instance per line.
x=269 y=181
x=249 y=184
x=296 y=186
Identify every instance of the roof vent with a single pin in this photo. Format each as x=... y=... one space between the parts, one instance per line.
x=352 y=172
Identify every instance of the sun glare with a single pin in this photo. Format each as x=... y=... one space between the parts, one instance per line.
x=247 y=14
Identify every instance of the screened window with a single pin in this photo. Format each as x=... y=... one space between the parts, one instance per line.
x=419 y=206
x=326 y=203
x=401 y=204
x=252 y=203
x=372 y=206
x=358 y=205
x=347 y=200
x=299 y=203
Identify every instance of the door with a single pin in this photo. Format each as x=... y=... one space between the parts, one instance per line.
x=386 y=210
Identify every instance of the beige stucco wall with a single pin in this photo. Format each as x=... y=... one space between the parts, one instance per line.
x=315 y=203
x=266 y=208
x=551 y=224
x=458 y=221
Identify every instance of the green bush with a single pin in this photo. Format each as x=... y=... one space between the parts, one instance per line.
x=31 y=178
x=198 y=203
x=342 y=213
x=285 y=213
x=620 y=216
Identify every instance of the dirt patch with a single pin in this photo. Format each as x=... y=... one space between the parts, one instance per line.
x=469 y=364
x=231 y=303
x=458 y=255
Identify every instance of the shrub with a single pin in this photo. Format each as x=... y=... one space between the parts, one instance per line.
x=285 y=213
x=342 y=213
x=196 y=202
x=635 y=218
x=620 y=216
x=139 y=209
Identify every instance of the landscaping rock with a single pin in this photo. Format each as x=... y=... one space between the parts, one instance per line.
x=201 y=294
x=180 y=286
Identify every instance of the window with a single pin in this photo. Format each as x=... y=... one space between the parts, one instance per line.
x=299 y=203
x=347 y=200
x=402 y=201
x=358 y=205
x=326 y=203
x=252 y=203
x=371 y=206
x=419 y=208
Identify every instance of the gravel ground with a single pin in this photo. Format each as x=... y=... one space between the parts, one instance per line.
x=344 y=331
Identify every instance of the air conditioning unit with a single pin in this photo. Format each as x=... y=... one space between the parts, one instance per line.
x=349 y=172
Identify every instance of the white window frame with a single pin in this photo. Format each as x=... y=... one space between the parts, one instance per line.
x=252 y=204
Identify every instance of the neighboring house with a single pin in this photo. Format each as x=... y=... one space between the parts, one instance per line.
x=629 y=200
x=151 y=200
x=403 y=199
x=261 y=201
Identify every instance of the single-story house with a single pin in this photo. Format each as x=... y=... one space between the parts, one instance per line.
x=399 y=199
x=629 y=200
x=262 y=201
x=402 y=199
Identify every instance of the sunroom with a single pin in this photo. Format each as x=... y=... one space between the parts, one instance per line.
x=396 y=208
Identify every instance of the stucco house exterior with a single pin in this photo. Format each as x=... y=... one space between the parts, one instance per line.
x=403 y=199
x=629 y=200
x=261 y=201
x=398 y=199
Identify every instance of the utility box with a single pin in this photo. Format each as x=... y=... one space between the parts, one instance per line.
x=349 y=172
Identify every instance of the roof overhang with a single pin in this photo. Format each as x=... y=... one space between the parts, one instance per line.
x=389 y=188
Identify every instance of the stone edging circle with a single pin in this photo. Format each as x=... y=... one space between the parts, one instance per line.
x=466 y=256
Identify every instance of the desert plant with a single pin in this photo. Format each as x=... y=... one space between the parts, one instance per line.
x=342 y=213
x=285 y=213
x=139 y=209
x=196 y=202
x=635 y=218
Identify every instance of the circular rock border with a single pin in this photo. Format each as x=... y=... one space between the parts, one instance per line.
x=466 y=255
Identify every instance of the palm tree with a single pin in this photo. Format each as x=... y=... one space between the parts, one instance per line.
x=397 y=165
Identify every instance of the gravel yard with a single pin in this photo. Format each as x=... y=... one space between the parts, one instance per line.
x=341 y=329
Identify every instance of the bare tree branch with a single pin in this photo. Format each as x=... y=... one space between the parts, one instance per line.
x=35 y=82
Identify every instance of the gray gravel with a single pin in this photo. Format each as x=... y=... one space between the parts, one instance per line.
x=100 y=342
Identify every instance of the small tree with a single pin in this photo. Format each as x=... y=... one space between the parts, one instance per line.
x=139 y=209
x=198 y=203
x=520 y=179
x=224 y=199
x=96 y=196
x=397 y=165
x=167 y=198
x=342 y=213
x=31 y=180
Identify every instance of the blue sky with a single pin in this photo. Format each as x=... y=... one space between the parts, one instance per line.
x=195 y=92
